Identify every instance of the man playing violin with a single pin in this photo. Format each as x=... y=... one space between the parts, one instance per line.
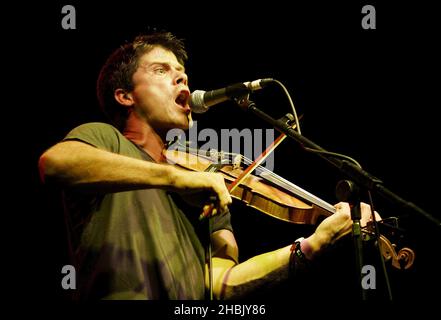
x=131 y=238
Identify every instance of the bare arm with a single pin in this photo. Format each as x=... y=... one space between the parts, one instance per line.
x=232 y=281
x=79 y=165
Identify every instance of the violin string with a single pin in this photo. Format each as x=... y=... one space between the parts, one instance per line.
x=281 y=182
x=203 y=154
x=266 y=174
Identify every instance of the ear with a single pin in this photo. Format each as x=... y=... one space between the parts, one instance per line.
x=124 y=98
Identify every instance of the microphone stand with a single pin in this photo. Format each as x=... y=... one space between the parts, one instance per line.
x=347 y=191
x=360 y=177
x=354 y=173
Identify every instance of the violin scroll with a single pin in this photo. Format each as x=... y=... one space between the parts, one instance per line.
x=402 y=260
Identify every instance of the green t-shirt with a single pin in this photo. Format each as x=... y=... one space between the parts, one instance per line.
x=135 y=244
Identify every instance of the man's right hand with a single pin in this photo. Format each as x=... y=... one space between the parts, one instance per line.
x=197 y=187
x=78 y=165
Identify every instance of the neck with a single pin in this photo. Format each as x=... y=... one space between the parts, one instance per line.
x=142 y=134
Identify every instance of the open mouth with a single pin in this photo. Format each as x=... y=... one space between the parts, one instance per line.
x=182 y=100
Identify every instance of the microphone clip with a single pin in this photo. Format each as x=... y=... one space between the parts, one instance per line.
x=243 y=101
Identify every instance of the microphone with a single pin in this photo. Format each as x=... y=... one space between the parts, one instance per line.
x=201 y=101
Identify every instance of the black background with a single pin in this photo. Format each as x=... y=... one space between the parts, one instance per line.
x=369 y=94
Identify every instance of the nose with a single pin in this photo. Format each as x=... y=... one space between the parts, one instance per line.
x=181 y=78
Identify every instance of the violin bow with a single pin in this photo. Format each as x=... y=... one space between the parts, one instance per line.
x=206 y=213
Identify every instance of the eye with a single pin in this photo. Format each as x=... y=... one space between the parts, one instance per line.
x=160 y=70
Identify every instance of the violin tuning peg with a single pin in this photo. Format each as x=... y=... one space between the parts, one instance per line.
x=237 y=161
x=212 y=154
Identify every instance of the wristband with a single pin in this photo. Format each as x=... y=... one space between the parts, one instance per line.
x=297 y=257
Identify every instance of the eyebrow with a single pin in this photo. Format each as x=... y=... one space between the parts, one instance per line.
x=178 y=67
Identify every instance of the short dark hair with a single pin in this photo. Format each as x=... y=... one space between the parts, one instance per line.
x=119 y=68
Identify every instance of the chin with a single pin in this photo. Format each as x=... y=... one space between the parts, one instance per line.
x=182 y=125
x=187 y=123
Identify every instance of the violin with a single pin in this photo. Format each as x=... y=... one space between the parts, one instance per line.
x=256 y=192
x=273 y=195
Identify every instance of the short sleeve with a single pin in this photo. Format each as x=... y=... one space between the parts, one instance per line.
x=222 y=221
x=100 y=135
